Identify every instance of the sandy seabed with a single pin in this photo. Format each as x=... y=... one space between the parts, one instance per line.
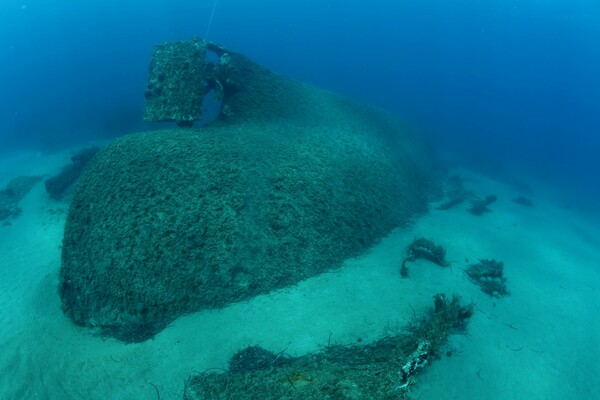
x=541 y=342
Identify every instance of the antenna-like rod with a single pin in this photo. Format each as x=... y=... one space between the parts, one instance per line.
x=212 y=13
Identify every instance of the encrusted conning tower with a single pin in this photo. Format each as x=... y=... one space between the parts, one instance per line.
x=180 y=77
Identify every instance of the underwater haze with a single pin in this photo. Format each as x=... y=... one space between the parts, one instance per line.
x=388 y=199
x=510 y=86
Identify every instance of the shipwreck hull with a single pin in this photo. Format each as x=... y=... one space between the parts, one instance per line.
x=288 y=182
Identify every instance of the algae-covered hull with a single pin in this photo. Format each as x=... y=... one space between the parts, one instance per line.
x=288 y=182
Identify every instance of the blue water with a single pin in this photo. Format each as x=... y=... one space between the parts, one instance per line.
x=511 y=88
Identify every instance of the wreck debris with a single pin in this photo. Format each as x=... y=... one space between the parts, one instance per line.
x=455 y=192
x=417 y=360
x=385 y=369
x=58 y=185
x=489 y=275
x=254 y=358
x=424 y=248
x=480 y=206
x=13 y=193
